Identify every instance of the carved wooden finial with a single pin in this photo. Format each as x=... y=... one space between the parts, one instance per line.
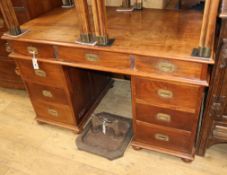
x=10 y=17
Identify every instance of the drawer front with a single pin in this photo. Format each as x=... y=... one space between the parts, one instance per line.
x=94 y=57
x=220 y=131
x=172 y=95
x=164 y=117
x=55 y=113
x=48 y=74
x=47 y=93
x=163 y=137
x=167 y=67
x=27 y=49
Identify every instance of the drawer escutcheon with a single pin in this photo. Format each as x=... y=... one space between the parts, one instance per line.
x=40 y=73
x=165 y=93
x=47 y=93
x=92 y=57
x=53 y=112
x=166 y=67
x=32 y=50
x=161 y=137
x=163 y=117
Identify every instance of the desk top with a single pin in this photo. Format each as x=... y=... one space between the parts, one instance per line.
x=158 y=33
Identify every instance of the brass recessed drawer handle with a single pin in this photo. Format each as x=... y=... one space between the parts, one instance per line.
x=92 y=57
x=163 y=117
x=166 y=67
x=32 y=50
x=53 y=112
x=161 y=137
x=40 y=73
x=47 y=93
x=165 y=93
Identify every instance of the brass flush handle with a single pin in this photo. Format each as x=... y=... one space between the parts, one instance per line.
x=165 y=93
x=162 y=137
x=53 y=112
x=40 y=73
x=92 y=57
x=166 y=67
x=47 y=93
x=32 y=50
x=163 y=117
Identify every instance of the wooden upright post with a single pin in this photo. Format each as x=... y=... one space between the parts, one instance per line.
x=100 y=21
x=138 y=4
x=211 y=26
x=10 y=17
x=126 y=3
x=83 y=13
x=208 y=29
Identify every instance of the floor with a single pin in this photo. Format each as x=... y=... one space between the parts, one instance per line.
x=27 y=148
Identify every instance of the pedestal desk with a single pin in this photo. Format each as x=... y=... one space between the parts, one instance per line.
x=153 y=47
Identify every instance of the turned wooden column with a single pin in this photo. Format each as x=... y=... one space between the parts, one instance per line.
x=100 y=21
x=83 y=13
x=10 y=17
x=138 y=4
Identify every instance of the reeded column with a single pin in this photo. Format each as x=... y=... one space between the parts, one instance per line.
x=83 y=14
x=10 y=17
x=100 y=21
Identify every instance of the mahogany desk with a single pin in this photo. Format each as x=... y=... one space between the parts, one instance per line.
x=153 y=47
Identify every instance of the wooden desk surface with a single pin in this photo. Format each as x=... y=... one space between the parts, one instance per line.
x=158 y=33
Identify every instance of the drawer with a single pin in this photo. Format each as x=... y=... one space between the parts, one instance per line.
x=47 y=93
x=48 y=74
x=54 y=113
x=95 y=57
x=26 y=49
x=220 y=131
x=164 y=117
x=168 y=67
x=176 y=96
x=162 y=137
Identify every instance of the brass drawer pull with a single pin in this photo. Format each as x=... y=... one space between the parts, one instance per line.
x=40 y=73
x=32 y=50
x=166 y=67
x=47 y=93
x=163 y=117
x=92 y=57
x=165 y=93
x=53 y=112
x=162 y=137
